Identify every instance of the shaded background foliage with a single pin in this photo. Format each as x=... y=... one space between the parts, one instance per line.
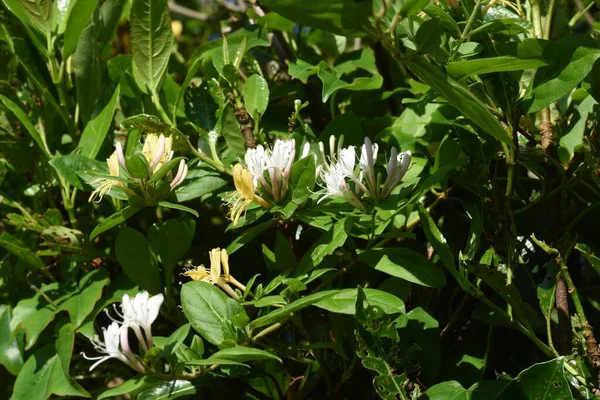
x=476 y=279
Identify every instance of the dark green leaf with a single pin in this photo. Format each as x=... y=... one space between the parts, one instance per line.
x=282 y=313
x=135 y=256
x=458 y=96
x=244 y=354
x=326 y=245
x=342 y=17
x=21 y=250
x=406 y=264
x=96 y=129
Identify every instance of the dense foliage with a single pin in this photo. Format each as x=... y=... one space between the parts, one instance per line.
x=299 y=199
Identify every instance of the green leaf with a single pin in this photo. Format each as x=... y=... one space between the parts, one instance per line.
x=543 y=381
x=151 y=41
x=229 y=127
x=78 y=18
x=82 y=300
x=572 y=140
x=11 y=346
x=256 y=96
x=168 y=390
x=46 y=371
x=437 y=240
x=96 y=129
x=344 y=302
x=33 y=315
x=464 y=69
x=302 y=70
x=282 y=313
x=175 y=340
x=210 y=312
x=135 y=256
x=200 y=185
x=342 y=17
x=458 y=96
x=88 y=59
x=332 y=82
x=75 y=167
x=302 y=179
x=172 y=239
x=572 y=60
x=131 y=386
x=247 y=236
x=179 y=207
x=421 y=330
x=21 y=250
x=116 y=219
x=378 y=346
x=412 y=7
x=20 y=114
x=203 y=103
x=39 y=12
x=211 y=362
x=243 y=354
x=326 y=245
x=406 y=264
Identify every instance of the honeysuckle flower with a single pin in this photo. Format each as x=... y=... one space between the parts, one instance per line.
x=218 y=274
x=244 y=193
x=278 y=162
x=157 y=150
x=335 y=185
x=139 y=313
x=368 y=157
x=396 y=169
x=180 y=176
x=104 y=184
x=115 y=345
x=256 y=163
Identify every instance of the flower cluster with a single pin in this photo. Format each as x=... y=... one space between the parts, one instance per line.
x=342 y=171
x=267 y=171
x=137 y=314
x=218 y=274
x=156 y=153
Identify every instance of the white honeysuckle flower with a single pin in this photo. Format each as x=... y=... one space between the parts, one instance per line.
x=335 y=184
x=305 y=150
x=368 y=158
x=256 y=163
x=281 y=157
x=396 y=169
x=278 y=161
x=140 y=312
x=180 y=176
x=115 y=345
x=347 y=160
x=121 y=156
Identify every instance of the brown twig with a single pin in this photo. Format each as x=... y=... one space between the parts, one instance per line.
x=564 y=323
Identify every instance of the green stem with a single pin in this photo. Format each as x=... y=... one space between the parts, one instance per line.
x=549 y=15
x=588 y=333
x=159 y=108
x=579 y=14
x=269 y=329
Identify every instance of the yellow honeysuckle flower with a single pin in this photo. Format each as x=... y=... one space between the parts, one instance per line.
x=218 y=259
x=105 y=184
x=157 y=150
x=244 y=194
